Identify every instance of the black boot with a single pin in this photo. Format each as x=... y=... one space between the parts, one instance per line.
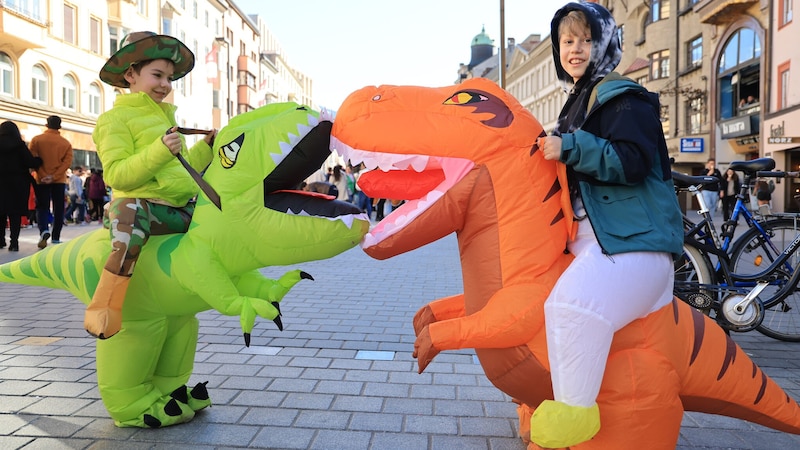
x=13 y=246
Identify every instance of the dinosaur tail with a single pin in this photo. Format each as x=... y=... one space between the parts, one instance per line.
x=720 y=378
x=73 y=266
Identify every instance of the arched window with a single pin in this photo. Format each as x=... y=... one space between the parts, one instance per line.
x=94 y=99
x=69 y=89
x=739 y=71
x=39 y=84
x=6 y=75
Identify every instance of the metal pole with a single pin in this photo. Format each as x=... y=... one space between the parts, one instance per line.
x=502 y=69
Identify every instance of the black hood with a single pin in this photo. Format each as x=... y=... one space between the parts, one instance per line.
x=606 y=50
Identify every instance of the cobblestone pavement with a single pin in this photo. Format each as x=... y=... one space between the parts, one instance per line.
x=340 y=375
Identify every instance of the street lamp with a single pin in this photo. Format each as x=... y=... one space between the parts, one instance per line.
x=502 y=73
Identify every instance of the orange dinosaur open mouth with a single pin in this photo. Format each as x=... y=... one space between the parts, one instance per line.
x=412 y=185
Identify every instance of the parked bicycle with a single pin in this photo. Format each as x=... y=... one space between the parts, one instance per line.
x=744 y=283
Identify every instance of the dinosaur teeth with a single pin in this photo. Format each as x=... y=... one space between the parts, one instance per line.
x=303 y=129
x=384 y=161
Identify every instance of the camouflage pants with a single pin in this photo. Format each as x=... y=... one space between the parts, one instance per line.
x=132 y=221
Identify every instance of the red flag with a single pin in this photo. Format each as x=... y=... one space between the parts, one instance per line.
x=211 y=64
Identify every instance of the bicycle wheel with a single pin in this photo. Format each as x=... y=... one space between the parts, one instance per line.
x=752 y=253
x=692 y=270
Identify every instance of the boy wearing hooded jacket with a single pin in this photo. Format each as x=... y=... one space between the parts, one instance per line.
x=137 y=143
x=628 y=220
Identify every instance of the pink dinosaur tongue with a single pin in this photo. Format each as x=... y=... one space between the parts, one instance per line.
x=400 y=184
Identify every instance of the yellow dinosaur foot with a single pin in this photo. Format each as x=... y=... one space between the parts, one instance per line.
x=558 y=425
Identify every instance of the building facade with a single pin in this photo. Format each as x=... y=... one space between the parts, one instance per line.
x=51 y=52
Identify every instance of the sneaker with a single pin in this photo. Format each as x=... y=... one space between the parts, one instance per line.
x=43 y=240
x=56 y=241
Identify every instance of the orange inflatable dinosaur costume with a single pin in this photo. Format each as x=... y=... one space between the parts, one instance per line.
x=465 y=160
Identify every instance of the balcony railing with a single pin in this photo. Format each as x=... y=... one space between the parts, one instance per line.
x=26 y=9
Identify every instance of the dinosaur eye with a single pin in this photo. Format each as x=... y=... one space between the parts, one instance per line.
x=465 y=97
x=376 y=97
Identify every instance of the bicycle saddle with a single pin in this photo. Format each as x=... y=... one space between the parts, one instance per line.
x=753 y=166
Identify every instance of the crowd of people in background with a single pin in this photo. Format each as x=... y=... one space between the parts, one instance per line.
x=39 y=188
x=342 y=182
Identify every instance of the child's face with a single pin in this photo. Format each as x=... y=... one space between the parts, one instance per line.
x=575 y=51
x=154 y=79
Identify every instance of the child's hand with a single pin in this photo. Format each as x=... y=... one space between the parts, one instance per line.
x=551 y=147
x=172 y=141
x=210 y=137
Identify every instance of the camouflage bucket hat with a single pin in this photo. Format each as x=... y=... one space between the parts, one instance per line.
x=142 y=46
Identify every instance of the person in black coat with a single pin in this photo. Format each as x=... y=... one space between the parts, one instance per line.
x=729 y=187
x=15 y=181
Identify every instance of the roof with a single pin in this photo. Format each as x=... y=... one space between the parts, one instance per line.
x=637 y=64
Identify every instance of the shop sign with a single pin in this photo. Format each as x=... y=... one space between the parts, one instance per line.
x=736 y=127
x=783 y=140
x=692 y=145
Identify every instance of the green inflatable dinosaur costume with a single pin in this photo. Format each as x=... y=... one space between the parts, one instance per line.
x=262 y=155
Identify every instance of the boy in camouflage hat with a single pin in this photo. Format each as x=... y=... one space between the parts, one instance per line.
x=152 y=191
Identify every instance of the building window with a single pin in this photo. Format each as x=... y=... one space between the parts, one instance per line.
x=6 y=75
x=694 y=116
x=68 y=92
x=205 y=18
x=739 y=67
x=784 y=12
x=659 y=10
x=166 y=26
x=141 y=6
x=39 y=84
x=94 y=35
x=115 y=38
x=665 y=120
x=94 y=99
x=659 y=65
x=194 y=9
x=69 y=24
x=621 y=36
x=695 y=52
x=783 y=86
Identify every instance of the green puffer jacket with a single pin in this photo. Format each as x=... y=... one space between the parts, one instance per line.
x=136 y=163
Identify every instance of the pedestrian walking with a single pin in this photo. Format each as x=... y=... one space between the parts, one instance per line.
x=98 y=194
x=77 y=203
x=15 y=181
x=56 y=154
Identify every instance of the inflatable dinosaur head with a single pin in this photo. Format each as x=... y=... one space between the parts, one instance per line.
x=260 y=159
x=420 y=143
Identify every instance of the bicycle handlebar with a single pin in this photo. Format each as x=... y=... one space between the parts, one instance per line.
x=777 y=174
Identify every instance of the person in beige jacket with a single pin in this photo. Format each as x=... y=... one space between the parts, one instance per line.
x=56 y=155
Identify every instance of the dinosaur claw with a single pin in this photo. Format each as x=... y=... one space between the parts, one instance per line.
x=277 y=306
x=278 y=322
x=247 y=339
x=306 y=276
